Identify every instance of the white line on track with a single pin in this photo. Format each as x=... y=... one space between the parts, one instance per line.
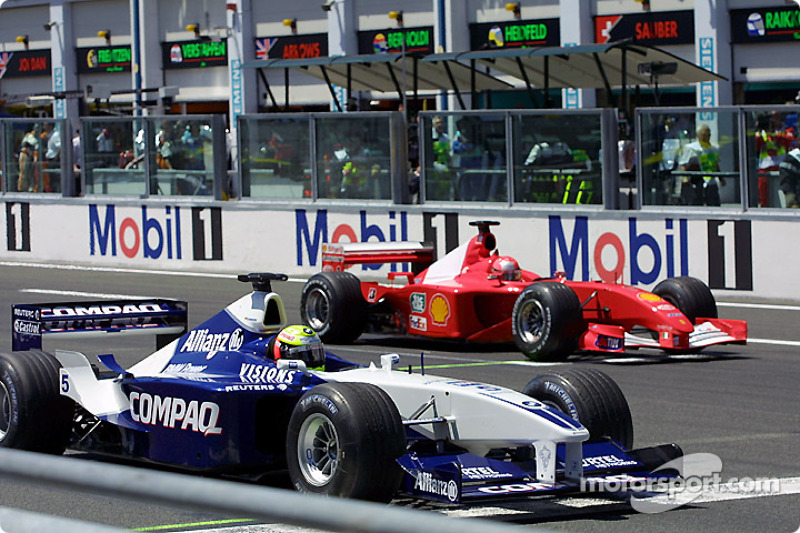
x=84 y=268
x=777 y=307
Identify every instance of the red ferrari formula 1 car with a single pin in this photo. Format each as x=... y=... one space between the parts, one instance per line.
x=475 y=294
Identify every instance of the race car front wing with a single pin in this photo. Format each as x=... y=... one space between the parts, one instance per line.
x=467 y=478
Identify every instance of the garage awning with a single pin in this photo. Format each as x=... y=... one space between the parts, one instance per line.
x=587 y=66
x=607 y=65
x=387 y=72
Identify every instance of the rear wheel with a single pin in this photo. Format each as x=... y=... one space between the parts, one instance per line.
x=546 y=321
x=690 y=295
x=33 y=414
x=343 y=440
x=589 y=396
x=333 y=306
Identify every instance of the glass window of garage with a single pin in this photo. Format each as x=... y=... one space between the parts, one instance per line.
x=182 y=158
x=773 y=156
x=112 y=159
x=353 y=154
x=275 y=157
x=690 y=157
x=557 y=158
x=464 y=157
x=31 y=156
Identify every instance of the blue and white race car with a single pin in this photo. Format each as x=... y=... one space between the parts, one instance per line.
x=223 y=398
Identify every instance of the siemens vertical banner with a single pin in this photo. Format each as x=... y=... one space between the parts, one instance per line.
x=708 y=89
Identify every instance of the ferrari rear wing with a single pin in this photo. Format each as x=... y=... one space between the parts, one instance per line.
x=167 y=319
x=339 y=256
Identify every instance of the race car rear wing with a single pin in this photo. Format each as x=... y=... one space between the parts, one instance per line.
x=166 y=319
x=339 y=256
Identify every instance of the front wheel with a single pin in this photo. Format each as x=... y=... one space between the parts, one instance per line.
x=333 y=306
x=33 y=414
x=690 y=295
x=589 y=396
x=546 y=321
x=343 y=440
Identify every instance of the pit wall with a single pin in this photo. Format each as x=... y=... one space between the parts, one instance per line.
x=739 y=256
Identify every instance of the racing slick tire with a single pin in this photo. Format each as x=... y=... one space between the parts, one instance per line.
x=589 y=396
x=690 y=295
x=33 y=414
x=546 y=320
x=332 y=304
x=343 y=440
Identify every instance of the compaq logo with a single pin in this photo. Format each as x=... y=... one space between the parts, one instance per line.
x=175 y=413
x=125 y=309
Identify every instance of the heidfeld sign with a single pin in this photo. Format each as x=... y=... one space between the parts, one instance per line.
x=763 y=25
x=516 y=34
x=654 y=28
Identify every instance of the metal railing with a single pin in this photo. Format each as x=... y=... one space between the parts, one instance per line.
x=226 y=498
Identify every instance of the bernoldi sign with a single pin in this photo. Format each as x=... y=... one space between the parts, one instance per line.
x=653 y=28
x=104 y=59
x=516 y=34
x=418 y=40
x=24 y=63
x=765 y=25
x=194 y=54
x=292 y=46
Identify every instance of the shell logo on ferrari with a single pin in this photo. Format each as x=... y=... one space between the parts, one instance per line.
x=649 y=296
x=440 y=310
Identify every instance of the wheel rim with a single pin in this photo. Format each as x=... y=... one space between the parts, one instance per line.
x=317 y=309
x=530 y=321
x=5 y=411
x=318 y=449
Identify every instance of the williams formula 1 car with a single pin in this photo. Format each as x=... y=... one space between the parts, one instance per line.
x=474 y=294
x=214 y=400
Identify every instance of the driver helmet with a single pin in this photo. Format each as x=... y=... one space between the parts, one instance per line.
x=506 y=268
x=298 y=342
